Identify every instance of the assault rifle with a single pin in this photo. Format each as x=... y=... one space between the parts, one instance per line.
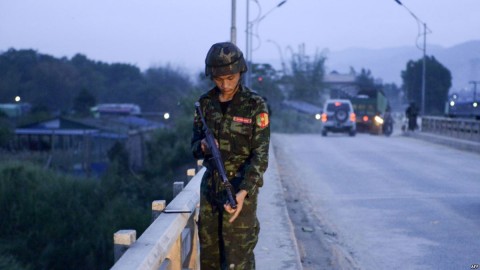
x=212 y=146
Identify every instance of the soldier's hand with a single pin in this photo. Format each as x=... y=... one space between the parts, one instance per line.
x=240 y=198
x=204 y=146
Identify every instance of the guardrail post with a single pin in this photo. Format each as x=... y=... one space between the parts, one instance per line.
x=177 y=188
x=190 y=174
x=122 y=240
x=157 y=208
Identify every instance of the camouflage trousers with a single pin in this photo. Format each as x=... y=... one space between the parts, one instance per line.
x=224 y=245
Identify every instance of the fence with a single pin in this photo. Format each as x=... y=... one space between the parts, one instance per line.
x=465 y=129
x=171 y=241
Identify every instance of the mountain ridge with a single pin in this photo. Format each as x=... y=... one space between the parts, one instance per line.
x=463 y=61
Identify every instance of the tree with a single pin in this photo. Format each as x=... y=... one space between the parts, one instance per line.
x=365 y=81
x=265 y=82
x=6 y=130
x=306 y=78
x=438 y=81
x=83 y=102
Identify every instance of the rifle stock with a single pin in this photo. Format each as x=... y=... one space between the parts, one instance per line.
x=212 y=146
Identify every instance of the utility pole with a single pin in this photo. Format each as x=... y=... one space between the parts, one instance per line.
x=233 y=29
x=424 y=66
x=424 y=49
x=475 y=92
x=249 y=37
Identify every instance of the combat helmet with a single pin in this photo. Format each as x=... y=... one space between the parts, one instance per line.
x=224 y=58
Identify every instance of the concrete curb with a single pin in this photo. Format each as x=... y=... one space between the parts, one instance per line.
x=466 y=145
x=277 y=246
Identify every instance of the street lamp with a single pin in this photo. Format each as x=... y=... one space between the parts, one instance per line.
x=475 y=92
x=424 y=49
x=249 y=35
x=281 y=55
x=233 y=29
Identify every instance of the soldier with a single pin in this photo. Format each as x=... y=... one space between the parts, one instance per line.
x=238 y=118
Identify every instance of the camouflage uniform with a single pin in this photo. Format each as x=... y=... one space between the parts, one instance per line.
x=243 y=135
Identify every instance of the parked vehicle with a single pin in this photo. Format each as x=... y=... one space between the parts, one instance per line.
x=338 y=116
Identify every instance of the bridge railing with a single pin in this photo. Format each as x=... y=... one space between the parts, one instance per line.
x=171 y=241
x=465 y=129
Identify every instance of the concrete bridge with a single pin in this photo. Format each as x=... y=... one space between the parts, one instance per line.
x=171 y=240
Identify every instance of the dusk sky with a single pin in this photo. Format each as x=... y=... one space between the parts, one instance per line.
x=180 y=32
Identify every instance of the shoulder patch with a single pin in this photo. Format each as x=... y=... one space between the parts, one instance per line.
x=262 y=120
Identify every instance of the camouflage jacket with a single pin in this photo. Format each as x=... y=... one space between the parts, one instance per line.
x=243 y=135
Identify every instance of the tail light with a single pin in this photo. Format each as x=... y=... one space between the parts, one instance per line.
x=365 y=118
x=353 y=117
x=324 y=117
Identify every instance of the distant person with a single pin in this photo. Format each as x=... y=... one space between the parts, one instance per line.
x=239 y=121
x=411 y=113
x=388 y=122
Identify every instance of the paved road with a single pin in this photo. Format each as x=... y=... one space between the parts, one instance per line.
x=372 y=202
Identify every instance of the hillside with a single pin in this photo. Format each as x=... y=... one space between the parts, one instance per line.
x=463 y=60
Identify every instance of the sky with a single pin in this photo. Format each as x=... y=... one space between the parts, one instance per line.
x=149 y=33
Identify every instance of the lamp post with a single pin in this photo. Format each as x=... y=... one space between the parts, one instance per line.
x=475 y=104
x=424 y=49
x=233 y=29
x=281 y=55
x=249 y=35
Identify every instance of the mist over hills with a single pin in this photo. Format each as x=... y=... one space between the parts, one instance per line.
x=463 y=61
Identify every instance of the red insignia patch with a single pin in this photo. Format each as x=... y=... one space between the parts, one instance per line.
x=262 y=120
x=242 y=120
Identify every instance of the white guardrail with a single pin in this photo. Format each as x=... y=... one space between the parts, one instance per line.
x=171 y=241
x=466 y=129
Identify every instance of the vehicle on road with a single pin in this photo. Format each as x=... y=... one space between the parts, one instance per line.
x=463 y=105
x=371 y=108
x=338 y=116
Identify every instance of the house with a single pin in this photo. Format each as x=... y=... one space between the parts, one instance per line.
x=87 y=141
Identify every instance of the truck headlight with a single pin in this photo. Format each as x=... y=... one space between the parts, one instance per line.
x=378 y=120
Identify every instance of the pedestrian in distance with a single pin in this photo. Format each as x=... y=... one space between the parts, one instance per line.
x=411 y=113
x=239 y=121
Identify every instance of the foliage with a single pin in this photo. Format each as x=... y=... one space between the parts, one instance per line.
x=60 y=221
x=66 y=222
x=58 y=84
x=306 y=78
x=290 y=121
x=365 y=81
x=438 y=81
x=266 y=83
x=83 y=102
x=6 y=131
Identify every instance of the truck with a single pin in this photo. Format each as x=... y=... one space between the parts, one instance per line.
x=372 y=112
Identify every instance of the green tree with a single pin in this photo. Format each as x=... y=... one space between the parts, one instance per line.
x=266 y=83
x=83 y=102
x=306 y=78
x=438 y=81
x=365 y=81
x=6 y=130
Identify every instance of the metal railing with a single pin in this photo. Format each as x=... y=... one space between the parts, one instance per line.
x=171 y=241
x=465 y=129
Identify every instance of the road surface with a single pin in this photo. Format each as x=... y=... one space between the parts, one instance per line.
x=375 y=202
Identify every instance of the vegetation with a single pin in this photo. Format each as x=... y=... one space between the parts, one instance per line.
x=62 y=221
x=438 y=81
